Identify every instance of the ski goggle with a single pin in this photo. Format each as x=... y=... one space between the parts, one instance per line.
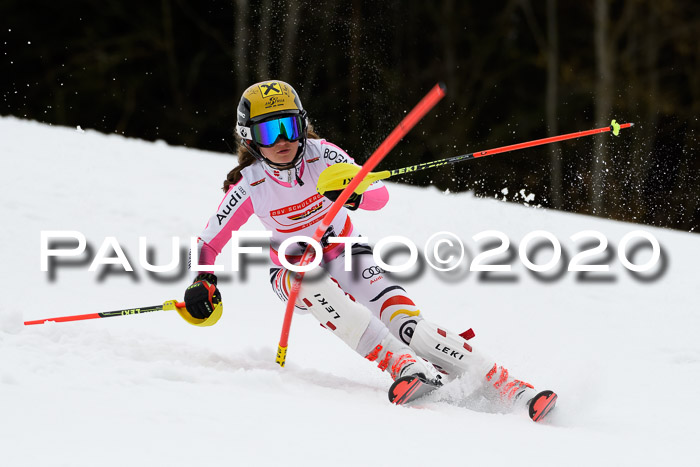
x=267 y=133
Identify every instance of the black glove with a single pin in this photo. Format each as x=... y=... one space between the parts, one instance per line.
x=202 y=296
x=352 y=203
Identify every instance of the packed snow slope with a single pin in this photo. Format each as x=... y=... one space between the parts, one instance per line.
x=621 y=349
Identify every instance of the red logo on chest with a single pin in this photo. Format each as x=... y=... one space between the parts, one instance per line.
x=306 y=213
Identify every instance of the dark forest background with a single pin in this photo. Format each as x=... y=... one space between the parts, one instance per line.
x=515 y=70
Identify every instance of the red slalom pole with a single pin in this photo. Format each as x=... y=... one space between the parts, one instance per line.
x=169 y=305
x=409 y=121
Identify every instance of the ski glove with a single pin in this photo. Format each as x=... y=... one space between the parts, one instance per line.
x=352 y=203
x=202 y=296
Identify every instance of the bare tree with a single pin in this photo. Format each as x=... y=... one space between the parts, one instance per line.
x=356 y=57
x=549 y=46
x=291 y=26
x=552 y=99
x=169 y=44
x=263 y=42
x=241 y=42
x=603 y=101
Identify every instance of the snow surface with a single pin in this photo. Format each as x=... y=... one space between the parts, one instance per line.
x=623 y=353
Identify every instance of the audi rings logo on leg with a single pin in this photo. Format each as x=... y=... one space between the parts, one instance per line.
x=372 y=271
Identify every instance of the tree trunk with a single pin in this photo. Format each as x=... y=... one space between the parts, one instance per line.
x=264 y=41
x=603 y=105
x=241 y=44
x=356 y=59
x=291 y=27
x=643 y=160
x=169 y=42
x=556 y=178
x=549 y=47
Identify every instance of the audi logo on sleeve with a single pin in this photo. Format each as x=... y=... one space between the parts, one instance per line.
x=372 y=271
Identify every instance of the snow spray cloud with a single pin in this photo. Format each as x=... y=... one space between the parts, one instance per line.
x=444 y=252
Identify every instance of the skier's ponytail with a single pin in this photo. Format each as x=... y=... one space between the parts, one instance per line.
x=245 y=159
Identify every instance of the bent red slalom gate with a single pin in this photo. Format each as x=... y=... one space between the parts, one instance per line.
x=337 y=176
x=409 y=121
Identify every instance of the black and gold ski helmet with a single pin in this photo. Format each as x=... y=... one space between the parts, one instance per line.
x=267 y=111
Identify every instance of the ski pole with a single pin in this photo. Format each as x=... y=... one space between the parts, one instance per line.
x=338 y=176
x=418 y=112
x=168 y=305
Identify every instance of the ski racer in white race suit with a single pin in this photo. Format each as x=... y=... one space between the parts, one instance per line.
x=280 y=161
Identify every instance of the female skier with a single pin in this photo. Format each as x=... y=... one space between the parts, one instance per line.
x=280 y=159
